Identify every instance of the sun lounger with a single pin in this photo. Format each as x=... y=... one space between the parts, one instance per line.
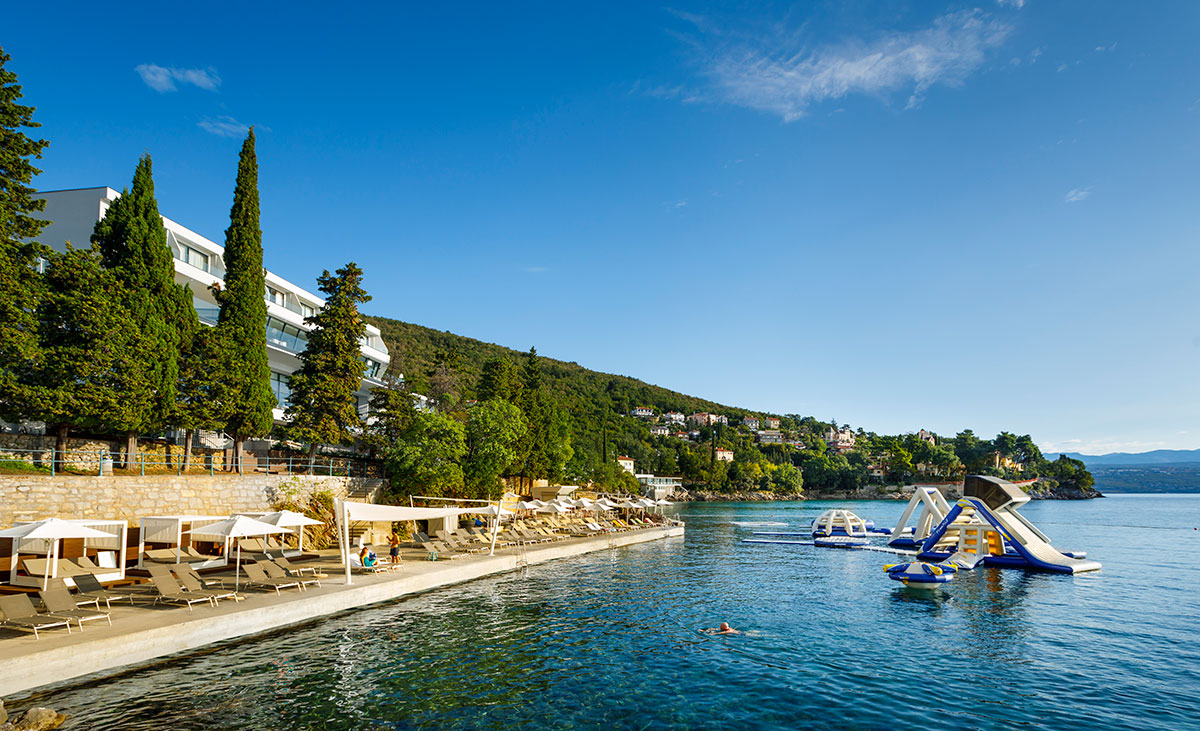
x=275 y=571
x=90 y=587
x=59 y=603
x=168 y=590
x=291 y=567
x=251 y=545
x=188 y=579
x=438 y=550
x=357 y=565
x=218 y=585
x=258 y=578
x=19 y=613
x=88 y=566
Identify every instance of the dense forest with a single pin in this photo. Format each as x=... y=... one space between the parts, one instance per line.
x=458 y=373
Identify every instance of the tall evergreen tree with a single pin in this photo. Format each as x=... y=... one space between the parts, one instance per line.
x=243 y=317
x=324 y=402
x=499 y=379
x=88 y=377
x=202 y=385
x=18 y=256
x=133 y=245
x=546 y=447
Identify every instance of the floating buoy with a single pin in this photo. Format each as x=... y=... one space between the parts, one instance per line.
x=919 y=575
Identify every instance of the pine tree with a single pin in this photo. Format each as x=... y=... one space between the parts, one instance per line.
x=133 y=245
x=88 y=376
x=546 y=448
x=202 y=385
x=499 y=380
x=20 y=286
x=324 y=402
x=243 y=317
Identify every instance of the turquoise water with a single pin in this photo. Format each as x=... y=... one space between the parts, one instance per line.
x=610 y=640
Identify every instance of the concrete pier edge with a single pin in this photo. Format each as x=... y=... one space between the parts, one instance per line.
x=86 y=660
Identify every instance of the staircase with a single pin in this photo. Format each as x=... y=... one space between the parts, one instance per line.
x=948 y=543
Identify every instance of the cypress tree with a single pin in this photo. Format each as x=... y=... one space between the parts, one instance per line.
x=243 y=318
x=324 y=404
x=20 y=286
x=133 y=245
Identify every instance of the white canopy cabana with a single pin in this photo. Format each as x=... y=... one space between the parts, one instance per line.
x=291 y=519
x=349 y=512
x=42 y=537
x=169 y=530
x=239 y=526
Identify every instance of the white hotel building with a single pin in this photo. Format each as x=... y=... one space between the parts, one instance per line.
x=200 y=263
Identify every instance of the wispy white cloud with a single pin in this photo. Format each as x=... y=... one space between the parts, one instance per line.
x=1078 y=194
x=164 y=78
x=223 y=126
x=1011 y=3
x=1102 y=49
x=1062 y=67
x=777 y=75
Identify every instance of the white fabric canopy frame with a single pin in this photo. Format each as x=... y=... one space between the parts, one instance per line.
x=239 y=526
x=51 y=530
x=349 y=511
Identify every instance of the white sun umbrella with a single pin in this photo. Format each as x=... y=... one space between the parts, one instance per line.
x=663 y=502
x=584 y=503
x=52 y=530
x=238 y=526
x=606 y=502
x=552 y=508
x=291 y=519
x=647 y=502
x=538 y=503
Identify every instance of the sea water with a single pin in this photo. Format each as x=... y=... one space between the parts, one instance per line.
x=612 y=640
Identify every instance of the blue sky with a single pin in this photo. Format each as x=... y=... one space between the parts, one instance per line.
x=899 y=215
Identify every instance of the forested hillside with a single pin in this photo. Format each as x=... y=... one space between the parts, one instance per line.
x=595 y=410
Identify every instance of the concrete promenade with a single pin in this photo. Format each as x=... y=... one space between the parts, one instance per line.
x=142 y=634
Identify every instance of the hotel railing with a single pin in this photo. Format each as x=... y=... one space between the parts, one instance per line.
x=103 y=462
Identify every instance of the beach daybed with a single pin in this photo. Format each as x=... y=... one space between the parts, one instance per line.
x=62 y=549
x=19 y=613
x=162 y=540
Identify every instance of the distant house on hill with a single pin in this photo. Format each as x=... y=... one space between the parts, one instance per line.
x=660 y=430
x=927 y=436
x=724 y=455
x=674 y=417
x=643 y=412
x=839 y=440
x=771 y=422
x=701 y=418
x=626 y=464
x=770 y=436
x=658 y=488
x=752 y=423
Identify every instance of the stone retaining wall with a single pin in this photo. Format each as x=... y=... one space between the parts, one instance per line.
x=132 y=498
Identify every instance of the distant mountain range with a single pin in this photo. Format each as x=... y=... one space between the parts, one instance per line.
x=1158 y=456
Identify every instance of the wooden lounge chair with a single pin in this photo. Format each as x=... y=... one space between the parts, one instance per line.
x=203 y=583
x=188 y=579
x=59 y=603
x=258 y=578
x=90 y=587
x=275 y=571
x=19 y=613
x=169 y=591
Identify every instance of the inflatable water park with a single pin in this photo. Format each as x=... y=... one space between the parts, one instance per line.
x=982 y=528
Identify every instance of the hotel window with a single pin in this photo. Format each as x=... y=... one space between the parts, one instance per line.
x=306 y=310
x=275 y=296
x=279 y=386
x=283 y=335
x=196 y=258
x=373 y=366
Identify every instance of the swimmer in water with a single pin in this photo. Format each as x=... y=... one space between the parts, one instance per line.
x=724 y=629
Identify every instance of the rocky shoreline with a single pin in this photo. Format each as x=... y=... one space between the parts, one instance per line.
x=34 y=719
x=871 y=492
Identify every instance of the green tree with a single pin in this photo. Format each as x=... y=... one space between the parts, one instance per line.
x=324 y=401
x=427 y=459
x=546 y=448
x=390 y=411
x=87 y=377
x=243 y=317
x=494 y=431
x=18 y=256
x=499 y=379
x=203 y=385
x=133 y=244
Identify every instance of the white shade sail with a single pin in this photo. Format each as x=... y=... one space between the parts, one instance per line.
x=289 y=519
x=52 y=529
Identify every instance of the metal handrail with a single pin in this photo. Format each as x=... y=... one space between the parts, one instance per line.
x=101 y=462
